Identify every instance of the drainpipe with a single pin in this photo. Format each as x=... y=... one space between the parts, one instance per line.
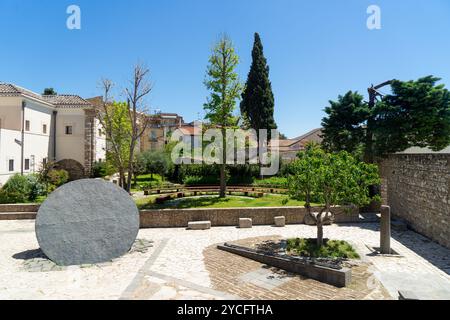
x=54 y=134
x=23 y=137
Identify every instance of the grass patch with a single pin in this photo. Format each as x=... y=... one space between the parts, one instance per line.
x=216 y=202
x=330 y=249
x=272 y=182
x=146 y=180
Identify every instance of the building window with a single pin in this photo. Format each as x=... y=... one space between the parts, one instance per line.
x=44 y=161
x=99 y=132
x=153 y=136
x=69 y=129
x=11 y=165
x=27 y=164
x=44 y=129
x=27 y=125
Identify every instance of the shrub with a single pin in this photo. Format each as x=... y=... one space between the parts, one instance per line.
x=272 y=182
x=15 y=190
x=330 y=249
x=58 y=177
x=200 y=180
x=102 y=169
x=37 y=188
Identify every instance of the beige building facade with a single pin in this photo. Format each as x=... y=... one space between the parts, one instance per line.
x=36 y=128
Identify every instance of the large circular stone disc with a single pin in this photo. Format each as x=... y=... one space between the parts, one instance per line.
x=87 y=221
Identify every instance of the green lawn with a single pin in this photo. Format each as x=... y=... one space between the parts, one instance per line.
x=146 y=179
x=216 y=202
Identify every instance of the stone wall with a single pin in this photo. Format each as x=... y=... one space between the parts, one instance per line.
x=179 y=218
x=230 y=216
x=417 y=187
x=89 y=140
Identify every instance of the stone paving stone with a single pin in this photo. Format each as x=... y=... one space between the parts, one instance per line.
x=189 y=260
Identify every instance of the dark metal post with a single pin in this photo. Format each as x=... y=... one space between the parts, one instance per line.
x=385 y=230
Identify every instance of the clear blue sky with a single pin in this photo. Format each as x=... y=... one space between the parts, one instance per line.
x=315 y=49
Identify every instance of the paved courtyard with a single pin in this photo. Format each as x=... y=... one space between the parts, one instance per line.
x=185 y=264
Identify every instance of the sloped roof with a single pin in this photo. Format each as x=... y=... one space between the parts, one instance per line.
x=314 y=131
x=59 y=101
x=67 y=100
x=190 y=131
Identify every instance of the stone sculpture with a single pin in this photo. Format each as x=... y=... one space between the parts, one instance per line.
x=87 y=221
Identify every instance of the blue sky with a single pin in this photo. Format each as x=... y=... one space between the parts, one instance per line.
x=315 y=49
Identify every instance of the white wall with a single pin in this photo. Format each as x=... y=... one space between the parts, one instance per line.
x=70 y=146
x=37 y=145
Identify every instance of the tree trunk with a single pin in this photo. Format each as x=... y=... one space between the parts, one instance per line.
x=223 y=178
x=223 y=182
x=319 y=233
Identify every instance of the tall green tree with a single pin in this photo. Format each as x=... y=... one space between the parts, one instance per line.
x=117 y=126
x=343 y=129
x=223 y=83
x=415 y=113
x=257 y=105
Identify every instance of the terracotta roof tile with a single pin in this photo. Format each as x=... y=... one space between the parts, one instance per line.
x=59 y=101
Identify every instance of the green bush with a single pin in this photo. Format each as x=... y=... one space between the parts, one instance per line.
x=209 y=174
x=58 y=177
x=15 y=190
x=272 y=182
x=102 y=169
x=37 y=188
x=198 y=180
x=330 y=249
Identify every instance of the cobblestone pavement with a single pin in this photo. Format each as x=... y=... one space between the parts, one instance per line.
x=184 y=264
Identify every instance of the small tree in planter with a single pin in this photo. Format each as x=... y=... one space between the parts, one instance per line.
x=330 y=179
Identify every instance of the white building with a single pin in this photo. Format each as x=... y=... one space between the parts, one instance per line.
x=36 y=128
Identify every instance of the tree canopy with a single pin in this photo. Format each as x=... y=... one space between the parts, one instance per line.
x=415 y=113
x=223 y=83
x=49 y=92
x=330 y=179
x=257 y=105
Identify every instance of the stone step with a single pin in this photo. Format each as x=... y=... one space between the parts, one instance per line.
x=18 y=215
x=23 y=207
x=199 y=225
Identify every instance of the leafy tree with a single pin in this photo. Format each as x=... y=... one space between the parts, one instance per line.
x=331 y=179
x=116 y=123
x=49 y=92
x=257 y=104
x=153 y=162
x=223 y=83
x=416 y=113
x=343 y=129
x=135 y=120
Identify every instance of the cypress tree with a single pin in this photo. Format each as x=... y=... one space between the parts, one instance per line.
x=257 y=105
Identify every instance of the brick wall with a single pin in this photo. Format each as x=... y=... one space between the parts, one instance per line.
x=417 y=187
